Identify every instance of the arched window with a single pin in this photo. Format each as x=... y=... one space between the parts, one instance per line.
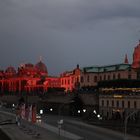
x=108 y=77
x=88 y=78
x=114 y=76
x=82 y=79
x=100 y=78
x=95 y=78
x=119 y=76
x=104 y=77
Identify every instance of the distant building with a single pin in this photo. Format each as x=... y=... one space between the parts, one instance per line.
x=136 y=57
x=119 y=102
x=34 y=78
x=91 y=76
x=52 y=82
x=120 y=96
x=70 y=80
x=28 y=78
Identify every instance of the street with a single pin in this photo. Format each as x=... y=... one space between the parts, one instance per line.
x=71 y=128
x=86 y=131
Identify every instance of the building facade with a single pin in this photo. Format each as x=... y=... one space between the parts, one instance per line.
x=91 y=76
x=29 y=77
x=118 y=103
x=70 y=80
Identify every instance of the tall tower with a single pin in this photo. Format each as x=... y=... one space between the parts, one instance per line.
x=136 y=57
x=126 y=60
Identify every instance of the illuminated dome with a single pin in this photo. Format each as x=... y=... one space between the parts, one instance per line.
x=41 y=67
x=10 y=70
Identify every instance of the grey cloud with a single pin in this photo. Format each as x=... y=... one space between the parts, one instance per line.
x=67 y=32
x=70 y=14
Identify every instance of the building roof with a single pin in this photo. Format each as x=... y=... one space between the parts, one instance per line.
x=10 y=69
x=41 y=67
x=108 y=68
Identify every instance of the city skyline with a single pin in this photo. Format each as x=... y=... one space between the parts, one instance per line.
x=66 y=33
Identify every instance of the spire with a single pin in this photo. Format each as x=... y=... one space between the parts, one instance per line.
x=77 y=66
x=126 y=59
x=40 y=58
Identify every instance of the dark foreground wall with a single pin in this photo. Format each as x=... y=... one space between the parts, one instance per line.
x=3 y=136
x=14 y=99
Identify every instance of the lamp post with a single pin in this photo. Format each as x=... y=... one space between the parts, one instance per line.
x=60 y=121
x=125 y=123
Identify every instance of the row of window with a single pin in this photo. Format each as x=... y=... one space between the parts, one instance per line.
x=88 y=79
x=108 y=77
x=104 y=77
x=69 y=81
x=117 y=103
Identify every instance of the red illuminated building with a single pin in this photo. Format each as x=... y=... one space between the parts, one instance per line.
x=28 y=78
x=32 y=79
x=70 y=80
x=136 y=57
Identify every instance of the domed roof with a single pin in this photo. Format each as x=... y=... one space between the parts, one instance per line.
x=10 y=69
x=41 y=67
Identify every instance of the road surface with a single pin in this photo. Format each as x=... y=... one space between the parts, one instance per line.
x=86 y=131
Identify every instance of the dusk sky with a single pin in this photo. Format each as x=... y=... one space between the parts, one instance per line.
x=68 y=32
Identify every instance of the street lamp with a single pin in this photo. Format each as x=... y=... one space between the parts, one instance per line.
x=78 y=111
x=94 y=111
x=84 y=110
x=125 y=123
x=61 y=121
x=41 y=112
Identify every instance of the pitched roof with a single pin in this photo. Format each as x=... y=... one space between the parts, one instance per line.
x=108 y=68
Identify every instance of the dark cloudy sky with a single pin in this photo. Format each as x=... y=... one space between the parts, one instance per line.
x=67 y=32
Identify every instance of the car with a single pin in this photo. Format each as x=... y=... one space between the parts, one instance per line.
x=38 y=118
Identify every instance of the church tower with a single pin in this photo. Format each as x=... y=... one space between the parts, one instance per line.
x=136 y=57
x=126 y=60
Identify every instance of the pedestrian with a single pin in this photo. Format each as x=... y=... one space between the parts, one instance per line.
x=18 y=112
